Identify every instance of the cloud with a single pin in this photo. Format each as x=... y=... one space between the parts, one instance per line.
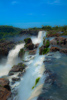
x=14 y=2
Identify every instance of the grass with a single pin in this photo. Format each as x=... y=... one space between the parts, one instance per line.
x=37 y=80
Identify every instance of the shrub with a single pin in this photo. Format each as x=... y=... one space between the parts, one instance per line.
x=47 y=43
x=45 y=51
x=27 y=40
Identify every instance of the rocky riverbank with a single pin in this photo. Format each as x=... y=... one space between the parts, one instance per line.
x=58 y=44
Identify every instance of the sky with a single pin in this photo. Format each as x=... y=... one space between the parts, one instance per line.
x=33 y=13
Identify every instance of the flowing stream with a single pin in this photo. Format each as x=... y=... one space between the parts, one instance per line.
x=22 y=90
x=35 y=69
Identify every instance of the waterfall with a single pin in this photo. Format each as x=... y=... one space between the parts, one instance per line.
x=13 y=54
x=38 y=39
x=11 y=59
x=35 y=69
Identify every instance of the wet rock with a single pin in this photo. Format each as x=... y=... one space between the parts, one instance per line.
x=53 y=42
x=28 y=44
x=43 y=50
x=32 y=52
x=17 y=68
x=4 y=93
x=21 y=53
x=52 y=78
x=36 y=45
x=5 y=90
x=63 y=51
x=54 y=49
x=59 y=41
x=5 y=47
x=53 y=35
x=21 y=74
x=4 y=83
x=15 y=79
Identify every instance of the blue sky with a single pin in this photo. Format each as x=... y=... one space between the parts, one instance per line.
x=33 y=13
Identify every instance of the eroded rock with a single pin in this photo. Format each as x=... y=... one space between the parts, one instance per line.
x=5 y=90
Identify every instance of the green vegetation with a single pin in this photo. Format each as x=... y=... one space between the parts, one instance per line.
x=47 y=44
x=43 y=40
x=57 y=42
x=27 y=40
x=37 y=80
x=21 y=53
x=64 y=33
x=8 y=31
x=23 y=65
x=45 y=51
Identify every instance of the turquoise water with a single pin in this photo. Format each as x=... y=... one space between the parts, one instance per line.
x=58 y=65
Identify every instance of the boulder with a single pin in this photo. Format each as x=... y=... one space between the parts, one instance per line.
x=15 y=79
x=32 y=52
x=53 y=42
x=28 y=40
x=5 y=90
x=4 y=83
x=54 y=49
x=63 y=51
x=21 y=53
x=36 y=45
x=28 y=44
x=17 y=68
x=4 y=93
x=59 y=41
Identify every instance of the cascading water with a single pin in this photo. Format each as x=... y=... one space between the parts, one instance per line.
x=11 y=60
x=13 y=54
x=35 y=69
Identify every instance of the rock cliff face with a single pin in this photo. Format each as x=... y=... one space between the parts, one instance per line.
x=5 y=47
x=4 y=89
x=59 y=41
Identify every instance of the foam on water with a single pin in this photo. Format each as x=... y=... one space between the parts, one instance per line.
x=11 y=60
x=35 y=70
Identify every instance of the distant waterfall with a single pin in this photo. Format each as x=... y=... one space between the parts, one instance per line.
x=39 y=39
